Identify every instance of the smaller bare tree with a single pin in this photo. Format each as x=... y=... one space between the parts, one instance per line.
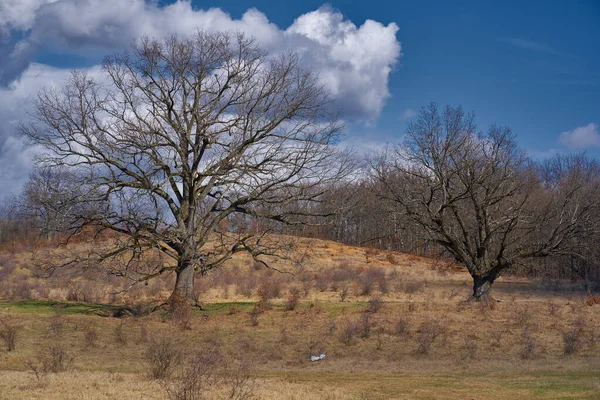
x=481 y=198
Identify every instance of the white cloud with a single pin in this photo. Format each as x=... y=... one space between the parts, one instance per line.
x=409 y=113
x=19 y=14
x=582 y=137
x=353 y=62
x=16 y=159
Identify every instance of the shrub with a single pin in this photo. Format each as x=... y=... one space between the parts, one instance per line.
x=401 y=328
x=572 y=341
x=368 y=278
x=253 y=314
x=8 y=333
x=529 y=347
x=56 y=324
x=120 y=335
x=162 y=356
x=365 y=325
x=429 y=331
x=194 y=375
x=55 y=359
x=293 y=298
x=348 y=331
x=90 y=337
x=374 y=304
x=343 y=293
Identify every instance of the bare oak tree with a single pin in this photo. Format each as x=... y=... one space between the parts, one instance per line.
x=179 y=139
x=481 y=198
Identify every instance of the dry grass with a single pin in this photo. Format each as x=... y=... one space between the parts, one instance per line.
x=412 y=337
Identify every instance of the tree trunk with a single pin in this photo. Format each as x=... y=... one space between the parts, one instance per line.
x=183 y=293
x=482 y=287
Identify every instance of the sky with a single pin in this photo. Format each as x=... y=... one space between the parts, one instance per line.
x=532 y=65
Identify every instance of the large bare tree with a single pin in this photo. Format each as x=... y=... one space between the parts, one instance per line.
x=480 y=197
x=178 y=140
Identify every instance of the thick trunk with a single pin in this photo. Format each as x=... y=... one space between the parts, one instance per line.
x=183 y=293
x=482 y=287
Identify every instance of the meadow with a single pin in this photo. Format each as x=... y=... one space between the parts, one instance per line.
x=391 y=325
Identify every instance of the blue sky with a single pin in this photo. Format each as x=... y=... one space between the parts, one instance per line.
x=532 y=65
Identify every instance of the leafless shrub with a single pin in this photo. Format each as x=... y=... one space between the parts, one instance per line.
x=528 y=349
x=374 y=304
x=254 y=314
x=428 y=332
x=163 y=355
x=8 y=333
x=120 y=335
x=322 y=281
x=347 y=332
x=343 y=293
x=90 y=337
x=56 y=324
x=572 y=340
x=307 y=281
x=55 y=359
x=496 y=336
x=194 y=375
x=412 y=287
x=553 y=308
x=522 y=316
x=368 y=278
x=239 y=379
x=365 y=325
x=293 y=298
x=246 y=285
x=143 y=338
x=402 y=328
x=270 y=287
x=469 y=348
x=36 y=368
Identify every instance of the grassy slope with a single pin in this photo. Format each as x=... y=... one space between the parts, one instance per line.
x=478 y=353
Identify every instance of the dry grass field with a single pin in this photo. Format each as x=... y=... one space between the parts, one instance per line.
x=392 y=326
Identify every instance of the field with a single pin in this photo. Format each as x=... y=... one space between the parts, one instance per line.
x=391 y=325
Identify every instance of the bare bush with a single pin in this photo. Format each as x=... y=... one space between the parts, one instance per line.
x=365 y=325
x=90 y=337
x=374 y=304
x=242 y=385
x=8 y=333
x=402 y=328
x=572 y=340
x=348 y=331
x=120 y=335
x=194 y=375
x=343 y=293
x=56 y=324
x=163 y=355
x=293 y=298
x=254 y=314
x=428 y=332
x=55 y=359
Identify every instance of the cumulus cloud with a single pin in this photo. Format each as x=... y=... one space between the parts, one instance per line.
x=353 y=62
x=582 y=137
x=16 y=101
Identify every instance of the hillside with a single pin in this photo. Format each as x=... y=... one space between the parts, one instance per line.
x=391 y=325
